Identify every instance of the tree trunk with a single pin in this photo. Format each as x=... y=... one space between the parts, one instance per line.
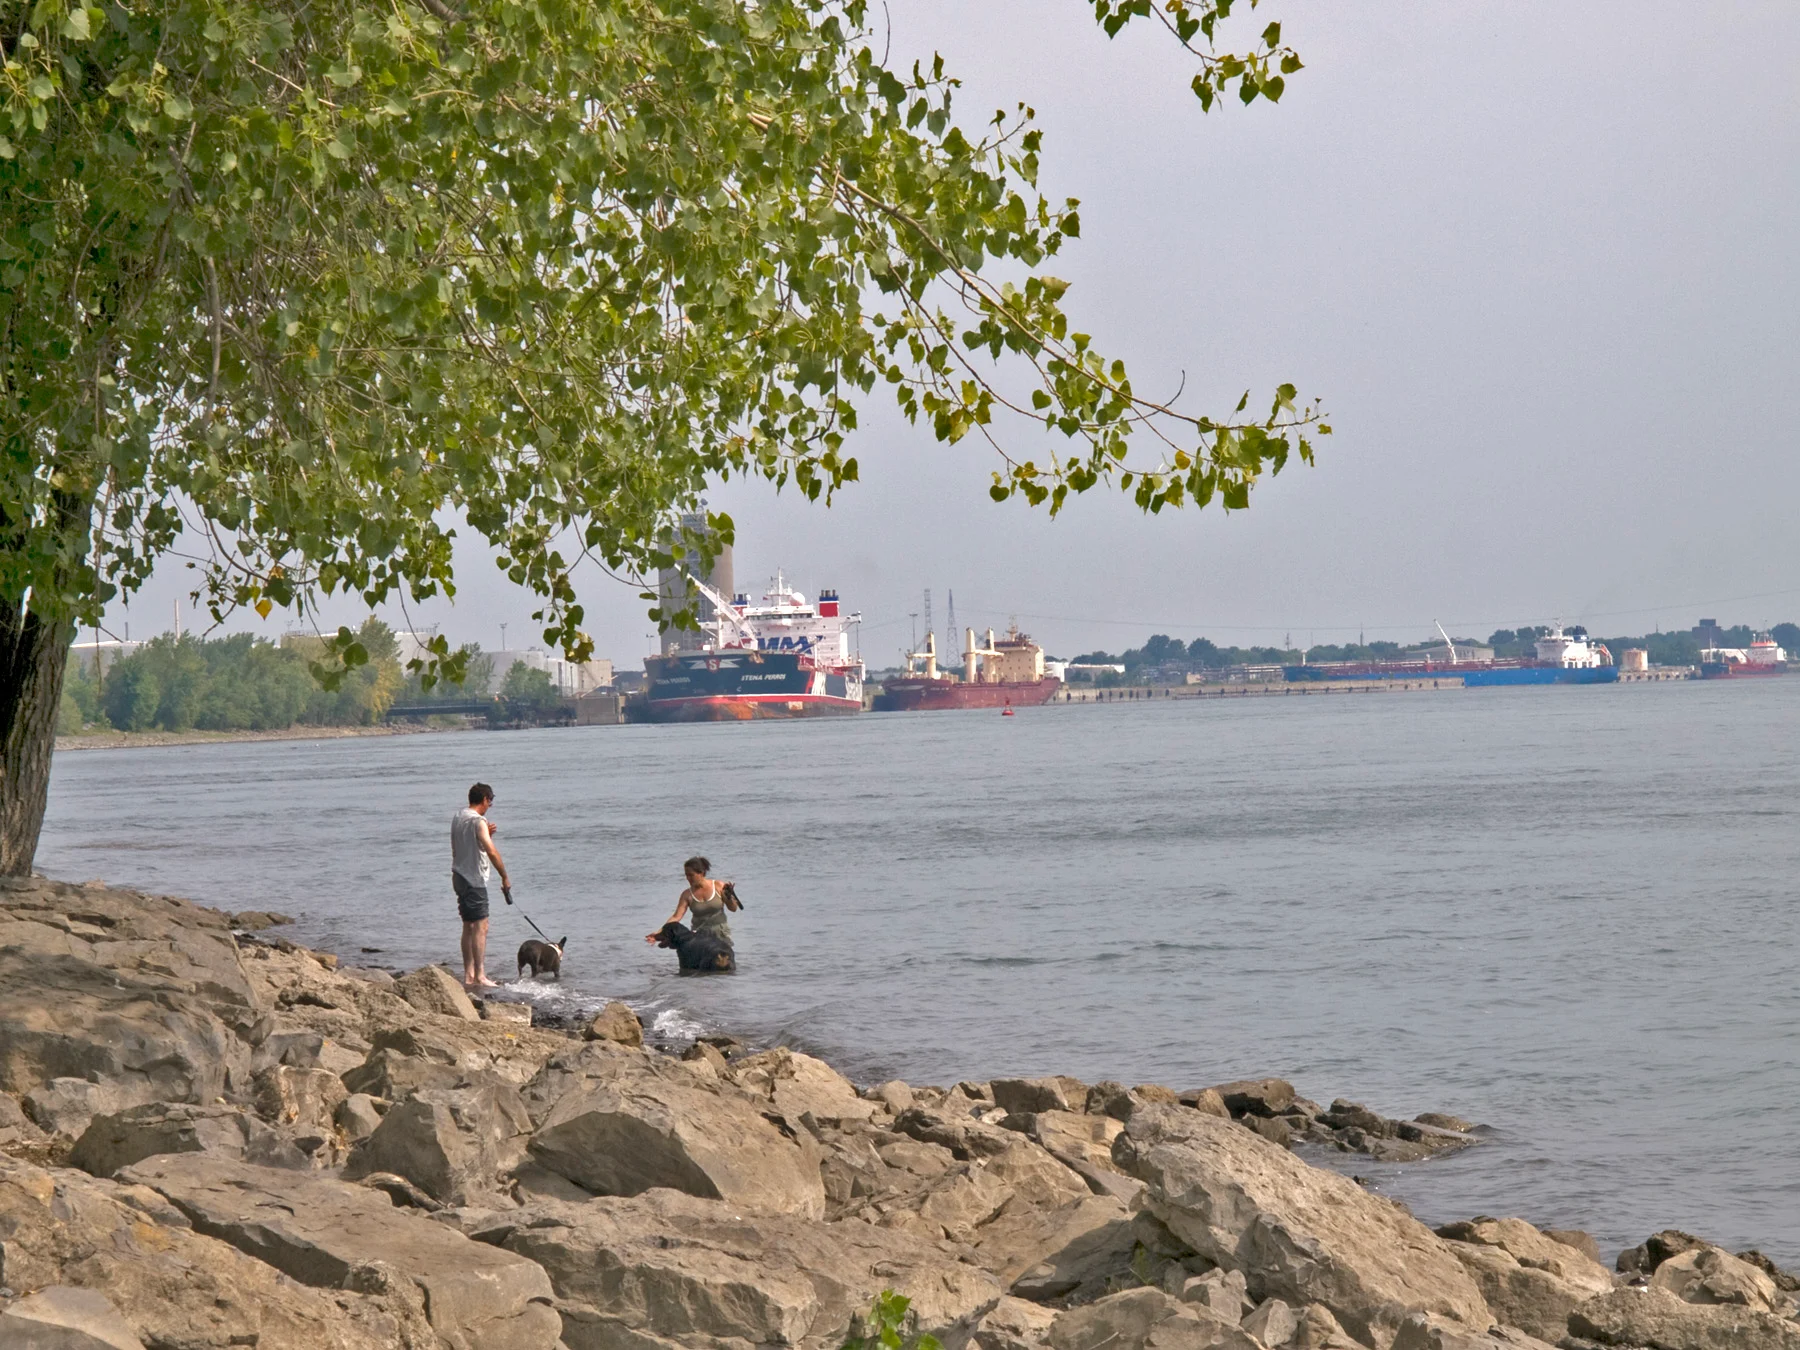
x=34 y=655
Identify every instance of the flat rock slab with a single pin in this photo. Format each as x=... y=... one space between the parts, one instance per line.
x=142 y=995
x=328 y=1234
x=1299 y=1233
x=1656 y=1318
x=172 y=1287
x=125 y=1137
x=649 y=1129
x=435 y=990
x=665 y=1268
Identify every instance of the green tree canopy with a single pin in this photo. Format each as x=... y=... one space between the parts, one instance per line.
x=315 y=278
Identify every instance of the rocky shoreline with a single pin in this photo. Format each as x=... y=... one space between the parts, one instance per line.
x=208 y=1138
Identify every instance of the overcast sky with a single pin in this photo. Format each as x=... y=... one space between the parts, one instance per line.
x=1539 y=261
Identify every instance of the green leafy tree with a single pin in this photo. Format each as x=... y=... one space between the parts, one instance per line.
x=528 y=692
x=81 y=699
x=313 y=279
x=239 y=683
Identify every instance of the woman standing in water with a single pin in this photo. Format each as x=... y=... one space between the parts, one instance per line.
x=705 y=899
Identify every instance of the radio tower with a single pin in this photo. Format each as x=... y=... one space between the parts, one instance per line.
x=928 y=613
x=950 y=597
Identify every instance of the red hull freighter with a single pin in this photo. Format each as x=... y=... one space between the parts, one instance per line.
x=1004 y=674
x=1761 y=657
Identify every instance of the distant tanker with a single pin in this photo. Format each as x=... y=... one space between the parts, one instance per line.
x=1004 y=674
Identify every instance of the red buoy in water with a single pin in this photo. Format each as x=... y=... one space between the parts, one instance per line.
x=1007 y=712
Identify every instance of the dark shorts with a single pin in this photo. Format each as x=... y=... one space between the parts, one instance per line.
x=471 y=901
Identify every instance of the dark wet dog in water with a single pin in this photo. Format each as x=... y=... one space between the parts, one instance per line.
x=697 y=953
x=542 y=958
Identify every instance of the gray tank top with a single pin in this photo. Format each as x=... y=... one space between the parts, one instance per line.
x=467 y=857
x=709 y=915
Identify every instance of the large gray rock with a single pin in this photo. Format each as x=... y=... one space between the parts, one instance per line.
x=1013 y=1324
x=303 y=1100
x=1020 y=1095
x=1272 y=1322
x=618 y=1024
x=332 y=1235
x=1655 y=1318
x=125 y=1137
x=66 y=1106
x=1430 y=1333
x=1712 y=1275
x=1079 y=1252
x=15 y=1126
x=1257 y=1097
x=668 y=1127
x=453 y=1144
x=951 y=1206
x=392 y=1075
x=171 y=1286
x=359 y=1116
x=664 y=1269
x=1529 y=1280
x=437 y=1053
x=65 y=1318
x=1145 y=1319
x=435 y=990
x=796 y=1085
x=142 y=996
x=964 y=1135
x=1655 y=1249
x=1036 y=1177
x=1072 y=1135
x=1298 y=1233
x=578 y=1068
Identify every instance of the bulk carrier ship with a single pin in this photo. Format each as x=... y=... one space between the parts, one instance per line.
x=1562 y=658
x=781 y=658
x=1004 y=674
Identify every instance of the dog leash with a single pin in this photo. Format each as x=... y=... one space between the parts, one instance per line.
x=507 y=892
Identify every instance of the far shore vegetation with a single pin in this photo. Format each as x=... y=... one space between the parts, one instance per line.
x=1164 y=658
x=246 y=683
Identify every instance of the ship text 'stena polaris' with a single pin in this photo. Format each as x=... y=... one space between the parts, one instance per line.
x=780 y=657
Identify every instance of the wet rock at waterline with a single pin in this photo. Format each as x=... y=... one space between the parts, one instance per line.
x=1299 y=1233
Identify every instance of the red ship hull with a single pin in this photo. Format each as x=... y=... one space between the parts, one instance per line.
x=1739 y=670
x=918 y=694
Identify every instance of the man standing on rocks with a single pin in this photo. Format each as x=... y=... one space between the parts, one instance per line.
x=471 y=846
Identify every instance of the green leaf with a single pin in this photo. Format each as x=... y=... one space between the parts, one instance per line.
x=75 y=24
x=177 y=109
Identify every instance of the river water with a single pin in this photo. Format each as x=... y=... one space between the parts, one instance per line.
x=1567 y=913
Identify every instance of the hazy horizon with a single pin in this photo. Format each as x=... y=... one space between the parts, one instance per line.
x=1532 y=259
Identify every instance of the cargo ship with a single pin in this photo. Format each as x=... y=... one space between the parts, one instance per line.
x=1761 y=657
x=784 y=657
x=1008 y=673
x=1562 y=657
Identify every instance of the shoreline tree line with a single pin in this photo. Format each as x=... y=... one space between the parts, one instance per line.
x=247 y=683
x=1165 y=657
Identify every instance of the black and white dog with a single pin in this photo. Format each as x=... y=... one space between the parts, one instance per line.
x=542 y=958
x=697 y=953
